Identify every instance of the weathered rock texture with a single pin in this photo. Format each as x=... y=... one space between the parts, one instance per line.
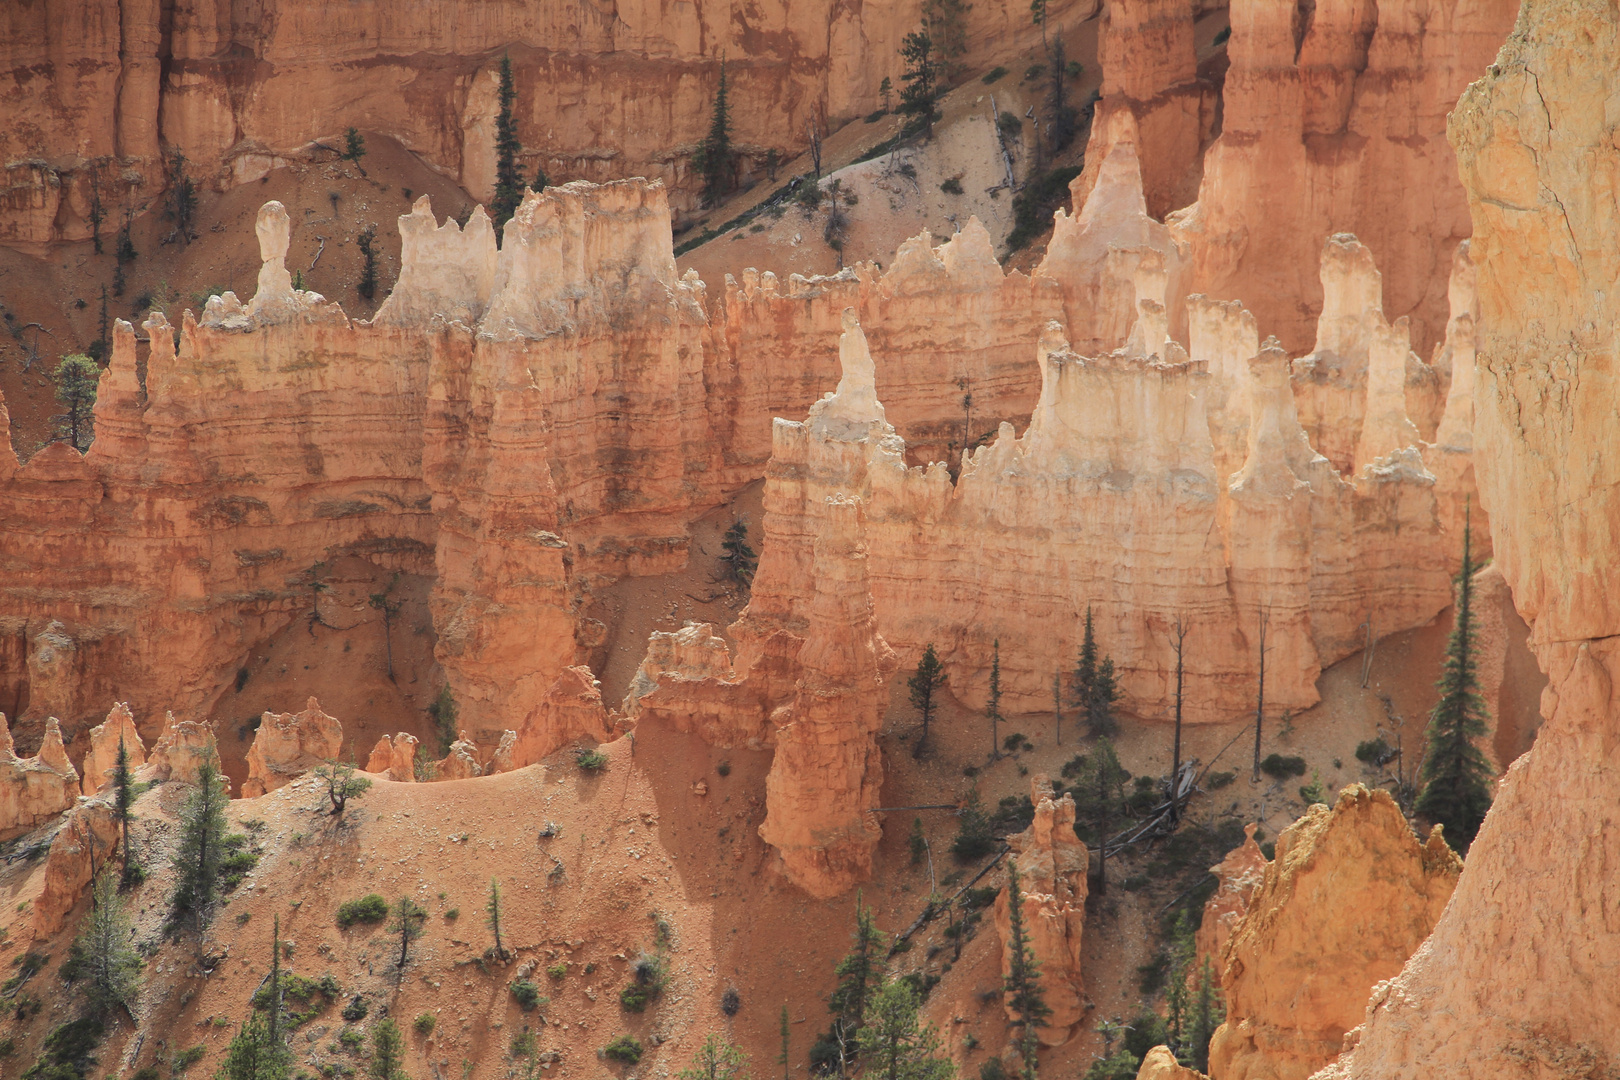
x=394 y=757
x=87 y=841
x=1052 y=868
x=108 y=87
x=105 y=738
x=1349 y=897
x=33 y=790
x=1239 y=875
x=183 y=747
x=1161 y=1064
x=1333 y=120
x=1509 y=982
x=287 y=745
x=571 y=709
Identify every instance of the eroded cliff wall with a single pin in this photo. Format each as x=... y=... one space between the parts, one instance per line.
x=1507 y=983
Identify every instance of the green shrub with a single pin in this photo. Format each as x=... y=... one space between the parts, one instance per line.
x=1373 y=751
x=150 y=1072
x=1034 y=71
x=1312 y=792
x=356 y=1009
x=724 y=768
x=425 y=1023
x=527 y=994
x=1120 y=1065
x=590 y=759
x=974 y=839
x=973 y=899
x=371 y=908
x=352 y=1038
x=875 y=115
x=1281 y=768
x=1010 y=125
x=453 y=913
x=625 y=1048
x=558 y=971
x=1218 y=780
x=993 y=1069
x=1222 y=36
x=993 y=74
x=69 y=1049
x=188 y=1057
x=952 y=186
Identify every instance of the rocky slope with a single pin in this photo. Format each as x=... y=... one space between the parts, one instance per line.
x=1489 y=994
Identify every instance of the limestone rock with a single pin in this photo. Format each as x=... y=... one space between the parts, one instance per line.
x=1350 y=896
x=1507 y=985
x=287 y=745
x=85 y=844
x=445 y=271
x=105 y=738
x=1238 y=876
x=182 y=748
x=461 y=763
x=1374 y=84
x=1052 y=868
x=34 y=790
x=570 y=710
x=395 y=757
x=1161 y=1064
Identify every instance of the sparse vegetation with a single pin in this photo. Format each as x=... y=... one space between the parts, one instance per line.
x=387 y=1051
x=590 y=759
x=366 y=241
x=492 y=917
x=625 y=1049
x=407 y=924
x=110 y=966
x=921 y=78
x=341 y=783
x=995 y=73
x=201 y=852
x=974 y=839
x=443 y=711
x=354 y=148
x=740 y=559
x=558 y=972
x=371 y=908
x=527 y=994
x=716 y=1059
x=69 y=1051
x=1033 y=206
x=952 y=185
x=1281 y=768
x=76 y=382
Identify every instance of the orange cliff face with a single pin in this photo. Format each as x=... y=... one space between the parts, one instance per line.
x=1514 y=978
x=100 y=92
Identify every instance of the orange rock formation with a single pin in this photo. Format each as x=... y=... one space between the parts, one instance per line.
x=394 y=757
x=1239 y=875
x=82 y=847
x=1161 y=1064
x=1513 y=979
x=102 y=758
x=105 y=89
x=1349 y=897
x=1052 y=869
x=287 y=745
x=183 y=747
x=34 y=790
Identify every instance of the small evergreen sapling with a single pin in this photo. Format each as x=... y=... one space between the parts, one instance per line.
x=202 y=847
x=508 y=184
x=896 y=1044
x=739 y=557
x=408 y=919
x=921 y=78
x=1456 y=777
x=928 y=679
x=716 y=1059
x=77 y=377
x=1022 y=986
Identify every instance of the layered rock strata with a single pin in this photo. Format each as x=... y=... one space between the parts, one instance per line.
x=287 y=745
x=91 y=85
x=1508 y=982
x=1349 y=897
x=1333 y=120
x=1052 y=869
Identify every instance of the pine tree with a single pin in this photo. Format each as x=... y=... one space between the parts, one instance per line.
x=1456 y=777
x=202 y=846
x=885 y=91
x=921 y=687
x=921 y=78
x=492 y=914
x=1175 y=756
x=992 y=708
x=273 y=1027
x=254 y=1054
x=859 y=973
x=98 y=212
x=354 y=148
x=714 y=156
x=1181 y=951
x=341 y=783
x=123 y=804
x=739 y=558
x=387 y=1051
x=1057 y=706
x=1022 y=987
x=1100 y=708
x=1037 y=15
x=112 y=966
x=946 y=23
x=541 y=180
x=508 y=183
x=1207 y=1014
x=77 y=377
x=408 y=919
x=182 y=198
x=366 y=241
x=895 y=1044
x=1085 y=669
x=1100 y=802
x=716 y=1060
x=783 y=1059
x=1062 y=119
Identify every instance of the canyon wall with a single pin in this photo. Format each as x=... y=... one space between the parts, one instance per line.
x=1507 y=985
x=1333 y=120
x=100 y=92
